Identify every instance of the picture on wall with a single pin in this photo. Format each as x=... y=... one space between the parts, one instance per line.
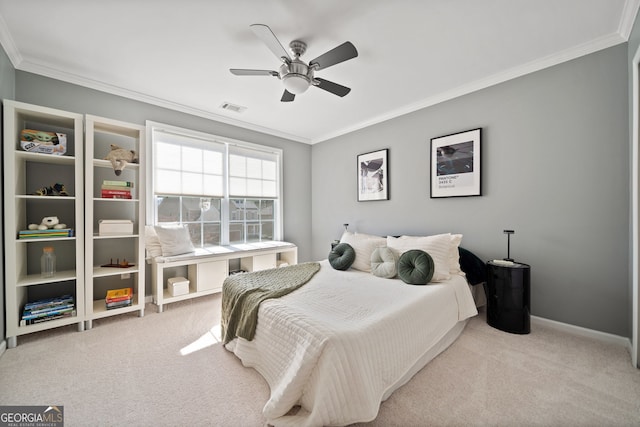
x=455 y=165
x=373 y=176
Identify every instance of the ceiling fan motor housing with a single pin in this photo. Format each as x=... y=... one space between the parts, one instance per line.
x=296 y=75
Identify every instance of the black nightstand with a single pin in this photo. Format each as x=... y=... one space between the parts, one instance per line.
x=508 y=296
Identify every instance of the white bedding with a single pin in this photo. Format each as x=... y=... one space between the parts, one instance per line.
x=343 y=342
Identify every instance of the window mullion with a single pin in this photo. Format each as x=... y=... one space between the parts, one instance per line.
x=225 y=209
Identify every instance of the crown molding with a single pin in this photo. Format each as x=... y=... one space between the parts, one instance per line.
x=501 y=77
x=628 y=18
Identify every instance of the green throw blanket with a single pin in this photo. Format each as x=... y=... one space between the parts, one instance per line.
x=243 y=293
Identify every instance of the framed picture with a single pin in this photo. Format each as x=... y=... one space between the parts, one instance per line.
x=373 y=176
x=455 y=165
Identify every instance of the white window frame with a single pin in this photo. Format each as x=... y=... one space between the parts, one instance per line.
x=151 y=127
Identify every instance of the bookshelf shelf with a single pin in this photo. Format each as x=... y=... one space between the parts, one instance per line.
x=36 y=279
x=105 y=200
x=53 y=199
x=25 y=156
x=98 y=163
x=115 y=236
x=111 y=271
x=28 y=329
x=100 y=311
x=44 y=239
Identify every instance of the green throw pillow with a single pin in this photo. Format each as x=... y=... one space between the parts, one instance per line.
x=342 y=256
x=416 y=267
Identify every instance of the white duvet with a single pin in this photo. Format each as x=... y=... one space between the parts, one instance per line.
x=343 y=342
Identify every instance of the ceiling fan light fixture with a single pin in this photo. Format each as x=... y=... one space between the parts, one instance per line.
x=296 y=83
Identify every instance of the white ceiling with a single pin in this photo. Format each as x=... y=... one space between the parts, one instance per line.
x=412 y=53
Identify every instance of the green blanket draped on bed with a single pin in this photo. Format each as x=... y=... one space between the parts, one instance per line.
x=243 y=293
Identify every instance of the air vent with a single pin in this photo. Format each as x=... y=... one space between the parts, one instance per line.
x=232 y=107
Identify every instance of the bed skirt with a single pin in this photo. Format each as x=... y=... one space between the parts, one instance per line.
x=427 y=357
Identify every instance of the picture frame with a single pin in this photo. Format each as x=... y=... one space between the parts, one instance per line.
x=373 y=175
x=456 y=164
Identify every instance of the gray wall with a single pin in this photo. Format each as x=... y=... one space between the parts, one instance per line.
x=7 y=90
x=555 y=168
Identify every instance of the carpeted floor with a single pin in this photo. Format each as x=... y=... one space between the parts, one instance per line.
x=167 y=369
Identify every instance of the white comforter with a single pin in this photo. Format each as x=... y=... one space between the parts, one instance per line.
x=338 y=345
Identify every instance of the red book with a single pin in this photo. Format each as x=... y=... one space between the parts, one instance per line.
x=119 y=192
x=115 y=194
x=118 y=299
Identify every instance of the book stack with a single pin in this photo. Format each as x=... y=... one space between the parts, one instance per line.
x=118 y=298
x=48 y=309
x=116 y=189
x=41 y=234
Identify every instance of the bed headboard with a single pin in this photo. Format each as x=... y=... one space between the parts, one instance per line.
x=474 y=268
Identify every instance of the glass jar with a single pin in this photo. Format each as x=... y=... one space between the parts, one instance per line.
x=48 y=262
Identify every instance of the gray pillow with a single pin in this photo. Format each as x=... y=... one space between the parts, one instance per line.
x=416 y=267
x=384 y=263
x=342 y=256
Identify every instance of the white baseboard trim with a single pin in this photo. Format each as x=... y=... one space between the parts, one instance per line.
x=585 y=332
x=3 y=347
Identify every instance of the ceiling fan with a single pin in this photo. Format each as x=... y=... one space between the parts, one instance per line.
x=295 y=74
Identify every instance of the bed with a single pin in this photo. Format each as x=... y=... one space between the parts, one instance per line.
x=336 y=347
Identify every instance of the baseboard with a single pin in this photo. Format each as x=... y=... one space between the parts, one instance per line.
x=578 y=330
x=3 y=347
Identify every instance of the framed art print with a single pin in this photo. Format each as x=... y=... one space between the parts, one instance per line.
x=373 y=176
x=455 y=165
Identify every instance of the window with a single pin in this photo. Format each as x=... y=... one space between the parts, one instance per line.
x=224 y=191
x=201 y=215
x=251 y=220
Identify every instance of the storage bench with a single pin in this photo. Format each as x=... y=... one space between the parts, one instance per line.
x=207 y=268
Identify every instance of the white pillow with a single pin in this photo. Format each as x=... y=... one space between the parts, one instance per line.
x=454 y=260
x=438 y=246
x=384 y=263
x=151 y=242
x=174 y=240
x=363 y=245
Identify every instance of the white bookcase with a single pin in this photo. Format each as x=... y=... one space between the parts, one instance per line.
x=25 y=173
x=206 y=271
x=101 y=250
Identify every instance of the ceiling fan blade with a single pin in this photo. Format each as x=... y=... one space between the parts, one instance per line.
x=335 y=56
x=287 y=96
x=265 y=34
x=241 y=72
x=332 y=87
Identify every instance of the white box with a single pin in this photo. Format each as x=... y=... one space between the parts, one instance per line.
x=178 y=286
x=115 y=227
x=209 y=275
x=38 y=141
